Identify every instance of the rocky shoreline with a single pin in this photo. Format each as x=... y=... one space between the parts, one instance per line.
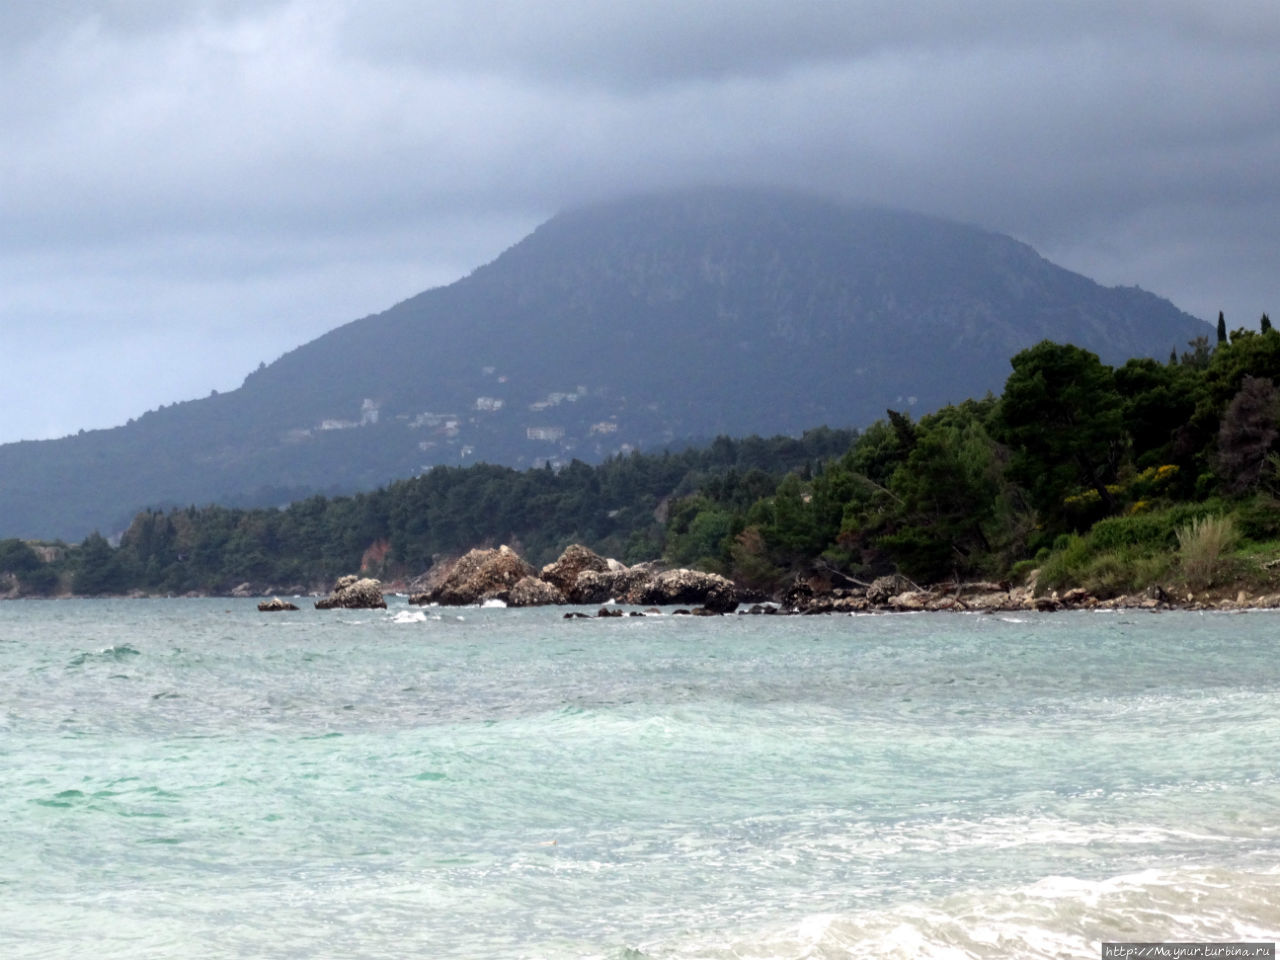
x=581 y=577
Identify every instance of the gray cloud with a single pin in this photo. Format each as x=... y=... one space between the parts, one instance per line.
x=193 y=188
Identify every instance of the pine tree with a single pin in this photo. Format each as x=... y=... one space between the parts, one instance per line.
x=1222 y=328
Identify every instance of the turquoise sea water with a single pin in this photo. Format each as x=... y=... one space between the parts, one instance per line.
x=191 y=778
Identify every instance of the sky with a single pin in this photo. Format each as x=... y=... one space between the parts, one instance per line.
x=191 y=187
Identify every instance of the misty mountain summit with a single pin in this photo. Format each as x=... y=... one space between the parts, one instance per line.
x=630 y=324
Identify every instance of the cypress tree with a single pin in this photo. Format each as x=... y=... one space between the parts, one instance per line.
x=1266 y=324
x=1222 y=328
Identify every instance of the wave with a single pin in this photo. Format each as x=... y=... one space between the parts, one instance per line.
x=411 y=616
x=120 y=653
x=1053 y=917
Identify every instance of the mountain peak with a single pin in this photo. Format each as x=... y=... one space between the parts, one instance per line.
x=637 y=322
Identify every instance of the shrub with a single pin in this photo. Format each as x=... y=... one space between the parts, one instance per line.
x=1019 y=572
x=1258 y=519
x=1119 y=554
x=1063 y=567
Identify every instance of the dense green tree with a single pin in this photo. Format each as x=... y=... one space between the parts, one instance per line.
x=41 y=581
x=98 y=569
x=1157 y=402
x=946 y=493
x=17 y=557
x=700 y=534
x=1249 y=354
x=1061 y=416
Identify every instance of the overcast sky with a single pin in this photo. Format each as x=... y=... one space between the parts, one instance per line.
x=190 y=188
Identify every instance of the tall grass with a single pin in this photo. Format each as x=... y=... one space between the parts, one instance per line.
x=1202 y=544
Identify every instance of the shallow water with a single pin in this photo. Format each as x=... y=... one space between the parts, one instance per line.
x=194 y=778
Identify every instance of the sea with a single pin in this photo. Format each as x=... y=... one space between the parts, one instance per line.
x=192 y=778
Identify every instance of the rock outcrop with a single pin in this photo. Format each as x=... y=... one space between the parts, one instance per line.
x=580 y=576
x=477 y=576
x=275 y=605
x=352 y=592
x=622 y=584
x=564 y=572
x=532 y=592
x=708 y=590
x=595 y=586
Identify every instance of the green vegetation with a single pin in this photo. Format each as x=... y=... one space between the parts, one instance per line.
x=619 y=507
x=1108 y=479
x=1114 y=480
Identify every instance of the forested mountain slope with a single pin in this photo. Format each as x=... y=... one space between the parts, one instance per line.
x=631 y=324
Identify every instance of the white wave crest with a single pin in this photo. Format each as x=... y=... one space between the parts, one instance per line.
x=410 y=616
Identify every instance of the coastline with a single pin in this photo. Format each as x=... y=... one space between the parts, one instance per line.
x=582 y=578
x=941 y=599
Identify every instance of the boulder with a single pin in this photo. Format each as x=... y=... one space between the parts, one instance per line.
x=351 y=592
x=597 y=586
x=911 y=600
x=576 y=558
x=477 y=576
x=532 y=592
x=798 y=596
x=1077 y=596
x=883 y=588
x=592 y=586
x=709 y=590
x=275 y=604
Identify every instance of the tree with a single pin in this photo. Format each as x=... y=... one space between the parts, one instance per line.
x=1248 y=355
x=98 y=569
x=1265 y=324
x=16 y=556
x=42 y=581
x=1222 y=328
x=1199 y=355
x=946 y=495
x=1158 y=401
x=1060 y=415
x=1248 y=433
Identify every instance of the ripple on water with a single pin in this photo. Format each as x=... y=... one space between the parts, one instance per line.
x=120 y=653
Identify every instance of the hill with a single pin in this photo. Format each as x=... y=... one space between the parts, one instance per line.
x=631 y=324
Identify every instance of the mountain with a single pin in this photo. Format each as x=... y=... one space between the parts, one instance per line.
x=636 y=323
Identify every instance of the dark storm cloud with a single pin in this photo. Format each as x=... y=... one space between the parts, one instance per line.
x=192 y=188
